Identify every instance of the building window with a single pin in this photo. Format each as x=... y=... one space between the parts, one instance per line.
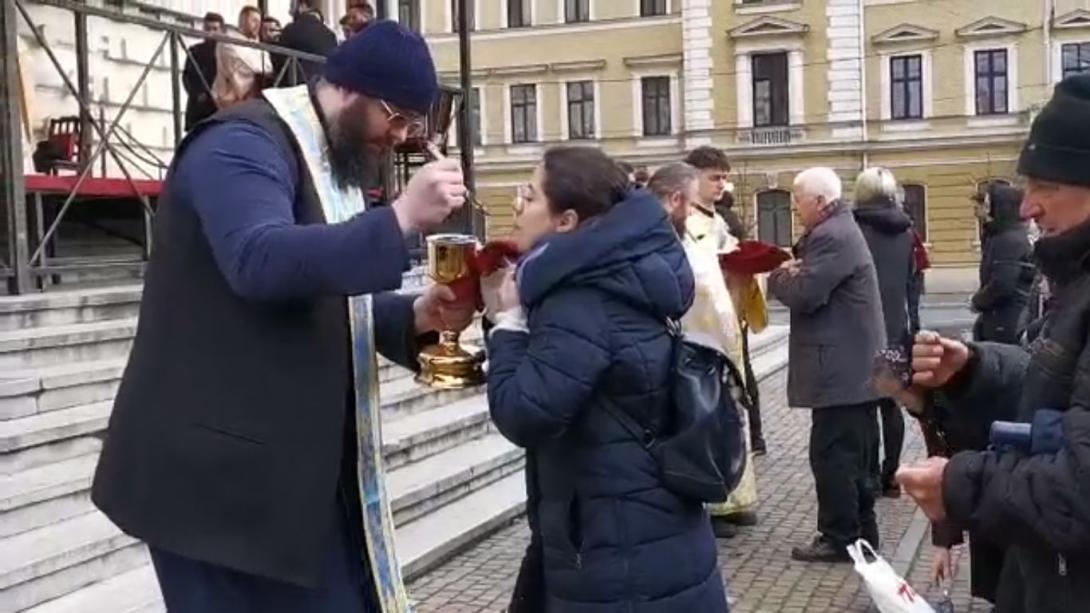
x=915 y=203
x=906 y=86
x=576 y=10
x=523 y=113
x=774 y=217
x=454 y=14
x=652 y=8
x=770 y=97
x=656 y=106
x=475 y=116
x=408 y=13
x=581 y=110
x=1076 y=58
x=518 y=13
x=991 y=82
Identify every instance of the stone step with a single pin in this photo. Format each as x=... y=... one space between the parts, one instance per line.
x=61 y=386
x=405 y=395
x=65 y=307
x=45 y=494
x=426 y=542
x=422 y=487
x=26 y=432
x=55 y=451
x=51 y=345
x=135 y=591
x=55 y=560
x=415 y=436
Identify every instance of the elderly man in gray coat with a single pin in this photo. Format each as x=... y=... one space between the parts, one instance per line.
x=837 y=329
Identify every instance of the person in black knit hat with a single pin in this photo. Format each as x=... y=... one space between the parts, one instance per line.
x=1035 y=500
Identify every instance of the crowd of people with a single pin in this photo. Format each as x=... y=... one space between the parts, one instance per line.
x=244 y=445
x=218 y=75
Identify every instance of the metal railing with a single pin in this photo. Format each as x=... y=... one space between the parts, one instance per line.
x=28 y=245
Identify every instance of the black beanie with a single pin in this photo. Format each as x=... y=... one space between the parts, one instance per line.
x=1058 y=148
x=389 y=62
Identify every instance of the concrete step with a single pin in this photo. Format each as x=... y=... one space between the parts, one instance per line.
x=135 y=591
x=422 y=487
x=412 y=437
x=26 y=432
x=54 y=451
x=60 y=386
x=427 y=542
x=46 y=494
x=58 y=559
x=51 y=345
x=405 y=395
x=65 y=307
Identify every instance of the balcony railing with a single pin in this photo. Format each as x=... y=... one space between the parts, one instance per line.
x=772 y=136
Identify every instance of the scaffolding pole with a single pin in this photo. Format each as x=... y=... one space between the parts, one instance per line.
x=12 y=193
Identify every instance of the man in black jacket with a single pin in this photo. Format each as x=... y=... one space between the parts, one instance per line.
x=308 y=34
x=1006 y=270
x=200 y=73
x=1036 y=503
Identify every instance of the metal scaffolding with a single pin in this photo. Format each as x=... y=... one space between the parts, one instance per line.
x=28 y=233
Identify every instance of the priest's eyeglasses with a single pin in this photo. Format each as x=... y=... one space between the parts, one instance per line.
x=412 y=124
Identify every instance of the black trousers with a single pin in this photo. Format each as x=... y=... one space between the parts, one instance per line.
x=915 y=290
x=841 y=444
x=893 y=441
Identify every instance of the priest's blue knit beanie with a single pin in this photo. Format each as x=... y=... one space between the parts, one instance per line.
x=389 y=62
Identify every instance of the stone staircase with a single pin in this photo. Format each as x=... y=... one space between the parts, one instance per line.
x=451 y=477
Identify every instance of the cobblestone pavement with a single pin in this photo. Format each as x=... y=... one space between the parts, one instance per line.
x=757 y=566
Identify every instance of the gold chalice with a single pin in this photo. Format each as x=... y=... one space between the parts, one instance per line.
x=447 y=365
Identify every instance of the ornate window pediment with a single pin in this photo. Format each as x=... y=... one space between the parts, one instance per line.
x=905 y=32
x=991 y=26
x=1070 y=21
x=768 y=26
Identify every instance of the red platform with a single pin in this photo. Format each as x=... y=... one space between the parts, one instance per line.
x=93 y=187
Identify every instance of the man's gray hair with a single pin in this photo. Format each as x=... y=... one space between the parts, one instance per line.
x=671 y=179
x=876 y=183
x=819 y=181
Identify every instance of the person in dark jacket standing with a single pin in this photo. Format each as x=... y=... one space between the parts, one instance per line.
x=306 y=33
x=836 y=330
x=243 y=446
x=888 y=232
x=1006 y=269
x=199 y=74
x=1036 y=502
x=921 y=263
x=583 y=323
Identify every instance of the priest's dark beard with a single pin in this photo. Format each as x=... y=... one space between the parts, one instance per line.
x=349 y=158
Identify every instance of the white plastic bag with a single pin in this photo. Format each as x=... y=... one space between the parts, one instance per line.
x=891 y=593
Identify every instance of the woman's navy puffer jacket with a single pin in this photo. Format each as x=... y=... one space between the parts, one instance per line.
x=597 y=300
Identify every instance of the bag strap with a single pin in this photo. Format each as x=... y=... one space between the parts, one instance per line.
x=643 y=435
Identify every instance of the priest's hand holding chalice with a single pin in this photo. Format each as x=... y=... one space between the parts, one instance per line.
x=457 y=262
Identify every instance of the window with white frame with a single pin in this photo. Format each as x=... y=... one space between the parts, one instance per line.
x=576 y=11
x=454 y=4
x=770 y=90
x=1075 y=58
x=581 y=110
x=524 y=113
x=992 y=86
x=906 y=86
x=652 y=8
x=657 y=113
x=408 y=14
x=519 y=13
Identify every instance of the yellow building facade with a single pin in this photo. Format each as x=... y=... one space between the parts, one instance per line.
x=942 y=93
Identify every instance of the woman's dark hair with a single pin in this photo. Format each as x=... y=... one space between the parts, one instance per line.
x=582 y=179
